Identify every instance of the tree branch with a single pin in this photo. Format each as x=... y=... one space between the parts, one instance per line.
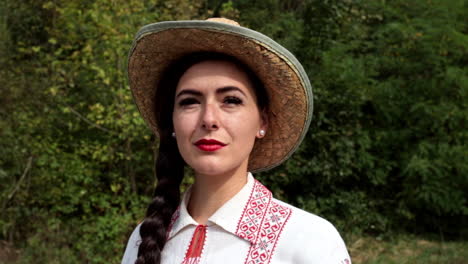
x=89 y=122
x=26 y=170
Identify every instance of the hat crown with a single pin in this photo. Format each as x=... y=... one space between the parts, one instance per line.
x=223 y=20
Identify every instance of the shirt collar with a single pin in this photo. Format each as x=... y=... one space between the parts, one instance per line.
x=227 y=217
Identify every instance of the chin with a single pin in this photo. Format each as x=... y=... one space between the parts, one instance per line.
x=214 y=168
x=209 y=169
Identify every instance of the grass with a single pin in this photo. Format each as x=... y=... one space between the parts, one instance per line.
x=407 y=249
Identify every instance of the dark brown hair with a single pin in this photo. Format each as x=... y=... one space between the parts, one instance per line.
x=169 y=163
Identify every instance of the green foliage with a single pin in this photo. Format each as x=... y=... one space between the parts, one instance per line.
x=388 y=142
x=386 y=149
x=75 y=152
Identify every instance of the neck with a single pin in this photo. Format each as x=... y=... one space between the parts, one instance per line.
x=210 y=192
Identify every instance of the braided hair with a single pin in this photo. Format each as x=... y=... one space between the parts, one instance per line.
x=169 y=163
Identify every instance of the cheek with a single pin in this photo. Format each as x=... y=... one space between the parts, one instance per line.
x=244 y=126
x=183 y=127
x=183 y=122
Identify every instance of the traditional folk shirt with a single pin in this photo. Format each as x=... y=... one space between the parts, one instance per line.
x=252 y=228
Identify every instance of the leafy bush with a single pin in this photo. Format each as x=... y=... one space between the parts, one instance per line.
x=386 y=149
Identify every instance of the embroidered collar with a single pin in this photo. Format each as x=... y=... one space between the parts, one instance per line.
x=243 y=215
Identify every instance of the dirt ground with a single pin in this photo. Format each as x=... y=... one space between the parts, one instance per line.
x=8 y=254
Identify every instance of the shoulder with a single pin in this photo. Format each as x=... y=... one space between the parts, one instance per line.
x=308 y=238
x=131 y=251
x=308 y=222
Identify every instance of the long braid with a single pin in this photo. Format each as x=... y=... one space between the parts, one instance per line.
x=169 y=171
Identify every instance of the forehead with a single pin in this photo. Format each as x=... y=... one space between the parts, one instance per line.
x=215 y=74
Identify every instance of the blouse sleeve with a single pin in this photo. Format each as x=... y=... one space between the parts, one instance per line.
x=339 y=253
x=312 y=239
x=326 y=250
x=131 y=252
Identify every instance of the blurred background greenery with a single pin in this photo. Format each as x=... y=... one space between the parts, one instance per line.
x=385 y=157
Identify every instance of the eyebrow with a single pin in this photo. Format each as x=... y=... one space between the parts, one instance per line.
x=189 y=91
x=218 y=91
x=229 y=89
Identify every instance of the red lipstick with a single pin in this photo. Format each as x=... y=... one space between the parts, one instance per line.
x=209 y=144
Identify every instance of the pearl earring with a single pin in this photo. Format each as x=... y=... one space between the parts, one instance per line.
x=262 y=132
x=173 y=134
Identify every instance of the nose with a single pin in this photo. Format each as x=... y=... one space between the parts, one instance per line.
x=209 y=120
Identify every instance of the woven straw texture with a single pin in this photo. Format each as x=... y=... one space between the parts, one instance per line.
x=289 y=114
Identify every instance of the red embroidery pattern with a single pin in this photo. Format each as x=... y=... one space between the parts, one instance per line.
x=261 y=223
x=254 y=212
x=195 y=249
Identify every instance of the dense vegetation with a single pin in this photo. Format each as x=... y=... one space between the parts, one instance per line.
x=386 y=151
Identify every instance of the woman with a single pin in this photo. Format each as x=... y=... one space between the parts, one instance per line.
x=226 y=101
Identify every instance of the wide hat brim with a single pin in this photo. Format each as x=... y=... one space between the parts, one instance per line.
x=157 y=45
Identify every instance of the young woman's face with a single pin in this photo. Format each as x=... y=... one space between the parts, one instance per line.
x=216 y=118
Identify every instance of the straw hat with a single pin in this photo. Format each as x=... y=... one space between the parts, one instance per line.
x=288 y=87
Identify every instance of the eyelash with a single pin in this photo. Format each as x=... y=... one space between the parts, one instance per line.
x=188 y=101
x=232 y=100
x=227 y=100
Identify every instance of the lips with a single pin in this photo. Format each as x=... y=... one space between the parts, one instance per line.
x=209 y=144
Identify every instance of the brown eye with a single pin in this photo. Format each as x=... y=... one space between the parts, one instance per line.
x=232 y=100
x=188 y=101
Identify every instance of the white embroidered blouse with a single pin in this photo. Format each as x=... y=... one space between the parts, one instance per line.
x=252 y=228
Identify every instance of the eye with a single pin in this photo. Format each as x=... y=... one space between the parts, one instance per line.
x=232 y=100
x=188 y=101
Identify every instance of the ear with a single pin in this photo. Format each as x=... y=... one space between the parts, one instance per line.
x=263 y=125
